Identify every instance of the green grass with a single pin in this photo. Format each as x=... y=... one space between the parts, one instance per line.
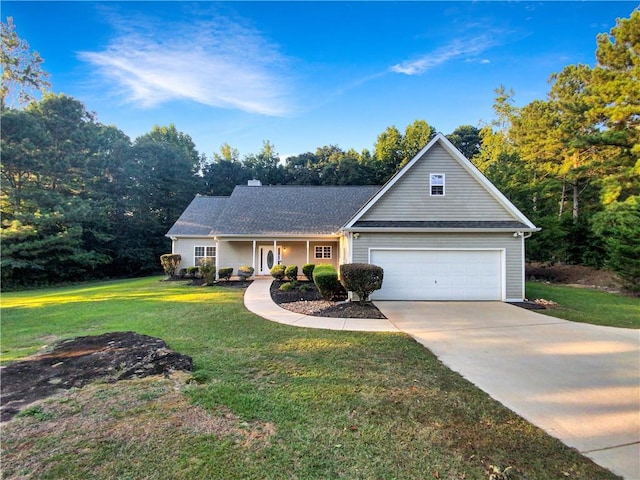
x=588 y=305
x=266 y=401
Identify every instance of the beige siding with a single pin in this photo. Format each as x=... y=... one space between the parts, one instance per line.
x=409 y=198
x=185 y=247
x=512 y=246
x=234 y=253
x=295 y=253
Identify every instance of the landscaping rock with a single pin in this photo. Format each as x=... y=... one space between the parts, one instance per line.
x=82 y=360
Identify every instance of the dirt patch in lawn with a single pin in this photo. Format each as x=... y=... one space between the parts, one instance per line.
x=308 y=301
x=79 y=361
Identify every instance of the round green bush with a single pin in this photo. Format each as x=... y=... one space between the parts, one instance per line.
x=361 y=278
x=208 y=271
x=326 y=279
x=291 y=272
x=307 y=270
x=245 y=271
x=225 y=273
x=287 y=287
x=277 y=272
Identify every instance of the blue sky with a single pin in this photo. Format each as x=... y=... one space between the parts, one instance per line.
x=305 y=74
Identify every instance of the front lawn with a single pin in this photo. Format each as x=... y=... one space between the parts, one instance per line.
x=588 y=305
x=266 y=401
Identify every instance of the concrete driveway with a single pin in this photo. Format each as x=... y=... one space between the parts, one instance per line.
x=578 y=382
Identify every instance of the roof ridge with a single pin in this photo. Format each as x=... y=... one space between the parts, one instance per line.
x=308 y=186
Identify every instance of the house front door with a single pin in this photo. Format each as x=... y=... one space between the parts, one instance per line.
x=267 y=258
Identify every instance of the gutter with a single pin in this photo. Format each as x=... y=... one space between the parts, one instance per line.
x=440 y=230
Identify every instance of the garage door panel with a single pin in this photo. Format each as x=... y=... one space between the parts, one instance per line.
x=439 y=274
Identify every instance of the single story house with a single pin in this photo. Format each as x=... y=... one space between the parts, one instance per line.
x=438 y=228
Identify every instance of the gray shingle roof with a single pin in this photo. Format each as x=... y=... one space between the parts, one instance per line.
x=199 y=217
x=273 y=210
x=282 y=210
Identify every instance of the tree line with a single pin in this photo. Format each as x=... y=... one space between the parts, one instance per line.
x=82 y=200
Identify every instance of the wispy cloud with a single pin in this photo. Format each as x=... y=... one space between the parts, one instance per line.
x=217 y=62
x=460 y=48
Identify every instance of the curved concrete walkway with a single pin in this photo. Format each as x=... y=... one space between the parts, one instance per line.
x=578 y=382
x=257 y=299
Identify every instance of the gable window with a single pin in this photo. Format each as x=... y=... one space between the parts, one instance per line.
x=436 y=184
x=323 y=251
x=200 y=253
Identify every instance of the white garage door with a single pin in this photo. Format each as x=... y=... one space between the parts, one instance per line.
x=439 y=274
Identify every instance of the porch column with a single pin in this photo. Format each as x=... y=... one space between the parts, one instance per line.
x=275 y=252
x=253 y=258
x=307 y=251
x=216 y=257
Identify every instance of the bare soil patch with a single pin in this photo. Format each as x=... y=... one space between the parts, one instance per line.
x=309 y=302
x=79 y=361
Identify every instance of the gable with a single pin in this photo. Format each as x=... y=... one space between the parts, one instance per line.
x=469 y=198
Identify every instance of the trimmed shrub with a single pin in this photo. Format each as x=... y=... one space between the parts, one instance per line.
x=361 y=278
x=170 y=262
x=287 y=286
x=225 y=273
x=277 y=272
x=326 y=279
x=193 y=272
x=208 y=271
x=307 y=270
x=291 y=272
x=245 y=271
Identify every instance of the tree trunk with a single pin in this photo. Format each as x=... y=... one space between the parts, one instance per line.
x=575 y=202
x=562 y=199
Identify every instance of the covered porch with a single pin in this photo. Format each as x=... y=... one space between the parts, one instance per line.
x=263 y=253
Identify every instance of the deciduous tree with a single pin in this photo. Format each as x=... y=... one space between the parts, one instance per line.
x=22 y=72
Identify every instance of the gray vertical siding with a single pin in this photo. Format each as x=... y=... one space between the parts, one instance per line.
x=465 y=199
x=512 y=246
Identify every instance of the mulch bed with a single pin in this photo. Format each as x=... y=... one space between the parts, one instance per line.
x=310 y=302
x=529 y=305
x=198 y=282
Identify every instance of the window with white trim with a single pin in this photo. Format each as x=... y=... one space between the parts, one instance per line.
x=436 y=184
x=200 y=253
x=322 y=251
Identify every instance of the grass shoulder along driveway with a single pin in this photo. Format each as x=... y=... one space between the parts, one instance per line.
x=588 y=305
x=266 y=401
